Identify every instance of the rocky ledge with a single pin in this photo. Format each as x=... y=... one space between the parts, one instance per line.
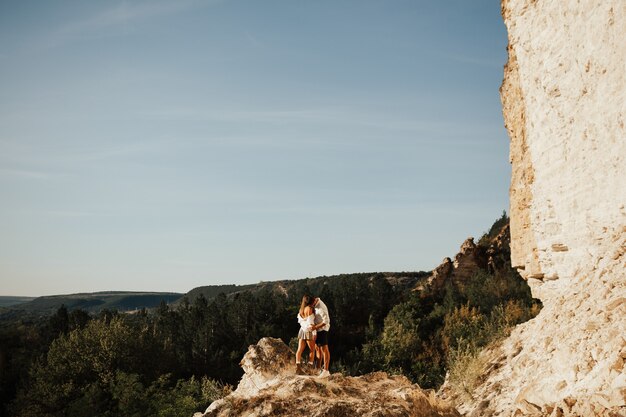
x=270 y=387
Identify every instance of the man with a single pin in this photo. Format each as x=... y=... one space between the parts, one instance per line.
x=322 y=333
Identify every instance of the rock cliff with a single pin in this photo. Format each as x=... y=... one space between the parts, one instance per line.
x=465 y=264
x=564 y=105
x=270 y=387
x=491 y=254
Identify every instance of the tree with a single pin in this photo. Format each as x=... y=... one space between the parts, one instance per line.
x=59 y=322
x=79 y=361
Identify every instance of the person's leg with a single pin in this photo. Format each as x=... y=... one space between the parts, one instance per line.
x=301 y=345
x=311 y=344
x=326 y=354
x=322 y=340
x=318 y=356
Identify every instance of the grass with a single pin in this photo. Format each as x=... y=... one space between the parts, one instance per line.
x=466 y=366
x=465 y=369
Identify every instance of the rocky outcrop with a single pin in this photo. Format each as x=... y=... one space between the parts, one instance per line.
x=465 y=264
x=489 y=255
x=270 y=387
x=564 y=104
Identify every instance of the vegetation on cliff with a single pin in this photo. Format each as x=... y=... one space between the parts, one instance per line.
x=432 y=330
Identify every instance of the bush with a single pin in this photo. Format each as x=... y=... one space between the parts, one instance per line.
x=465 y=366
x=186 y=397
x=462 y=324
x=495 y=228
x=400 y=334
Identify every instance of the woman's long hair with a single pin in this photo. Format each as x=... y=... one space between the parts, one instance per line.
x=307 y=300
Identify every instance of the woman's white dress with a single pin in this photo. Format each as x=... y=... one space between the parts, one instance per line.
x=305 y=324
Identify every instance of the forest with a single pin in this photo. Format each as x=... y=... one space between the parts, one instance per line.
x=175 y=360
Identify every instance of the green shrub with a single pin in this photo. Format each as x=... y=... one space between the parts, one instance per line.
x=495 y=228
x=465 y=366
x=186 y=397
x=463 y=323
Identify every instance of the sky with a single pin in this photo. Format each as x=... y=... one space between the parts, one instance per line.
x=164 y=145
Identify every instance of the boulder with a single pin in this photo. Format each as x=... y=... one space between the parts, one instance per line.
x=270 y=387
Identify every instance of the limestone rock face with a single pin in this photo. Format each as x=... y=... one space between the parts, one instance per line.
x=470 y=259
x=466 y=263
x=270 y=387
x=564 y=105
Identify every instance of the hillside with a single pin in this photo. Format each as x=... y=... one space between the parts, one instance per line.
x=292 y=288
x=98 y=301
x=8 y=301
x=211 y=291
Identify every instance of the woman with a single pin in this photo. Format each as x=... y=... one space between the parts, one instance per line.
x=306 y=336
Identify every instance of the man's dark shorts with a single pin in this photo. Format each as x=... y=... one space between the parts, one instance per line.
x=322 y=338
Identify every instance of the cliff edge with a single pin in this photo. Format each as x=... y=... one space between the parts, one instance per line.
x=270 y=387
x=564 y=105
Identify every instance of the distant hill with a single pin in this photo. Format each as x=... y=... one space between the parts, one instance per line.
x=97 y=301
x=403 y=280
x=212 y=291
x=8 y=301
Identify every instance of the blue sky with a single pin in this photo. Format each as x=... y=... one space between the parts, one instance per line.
x=161 y=145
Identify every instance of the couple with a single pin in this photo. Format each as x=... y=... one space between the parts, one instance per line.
x=314 y=325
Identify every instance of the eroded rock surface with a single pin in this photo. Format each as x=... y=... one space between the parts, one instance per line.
x=471 y=259
x=465 y=264
x=564 y=104
x=271 y=388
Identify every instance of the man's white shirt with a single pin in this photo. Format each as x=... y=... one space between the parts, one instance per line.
x=322 y=310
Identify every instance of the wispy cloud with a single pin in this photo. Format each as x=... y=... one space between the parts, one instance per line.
x=329 y=116
x=61 y=213
x=28 y=174
x=187 y=264
x=74 y=213
x=116 y=20
x=101 y=152
x=365 y=209
x=60 y=157
x=262 y=116
x=254 y=40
